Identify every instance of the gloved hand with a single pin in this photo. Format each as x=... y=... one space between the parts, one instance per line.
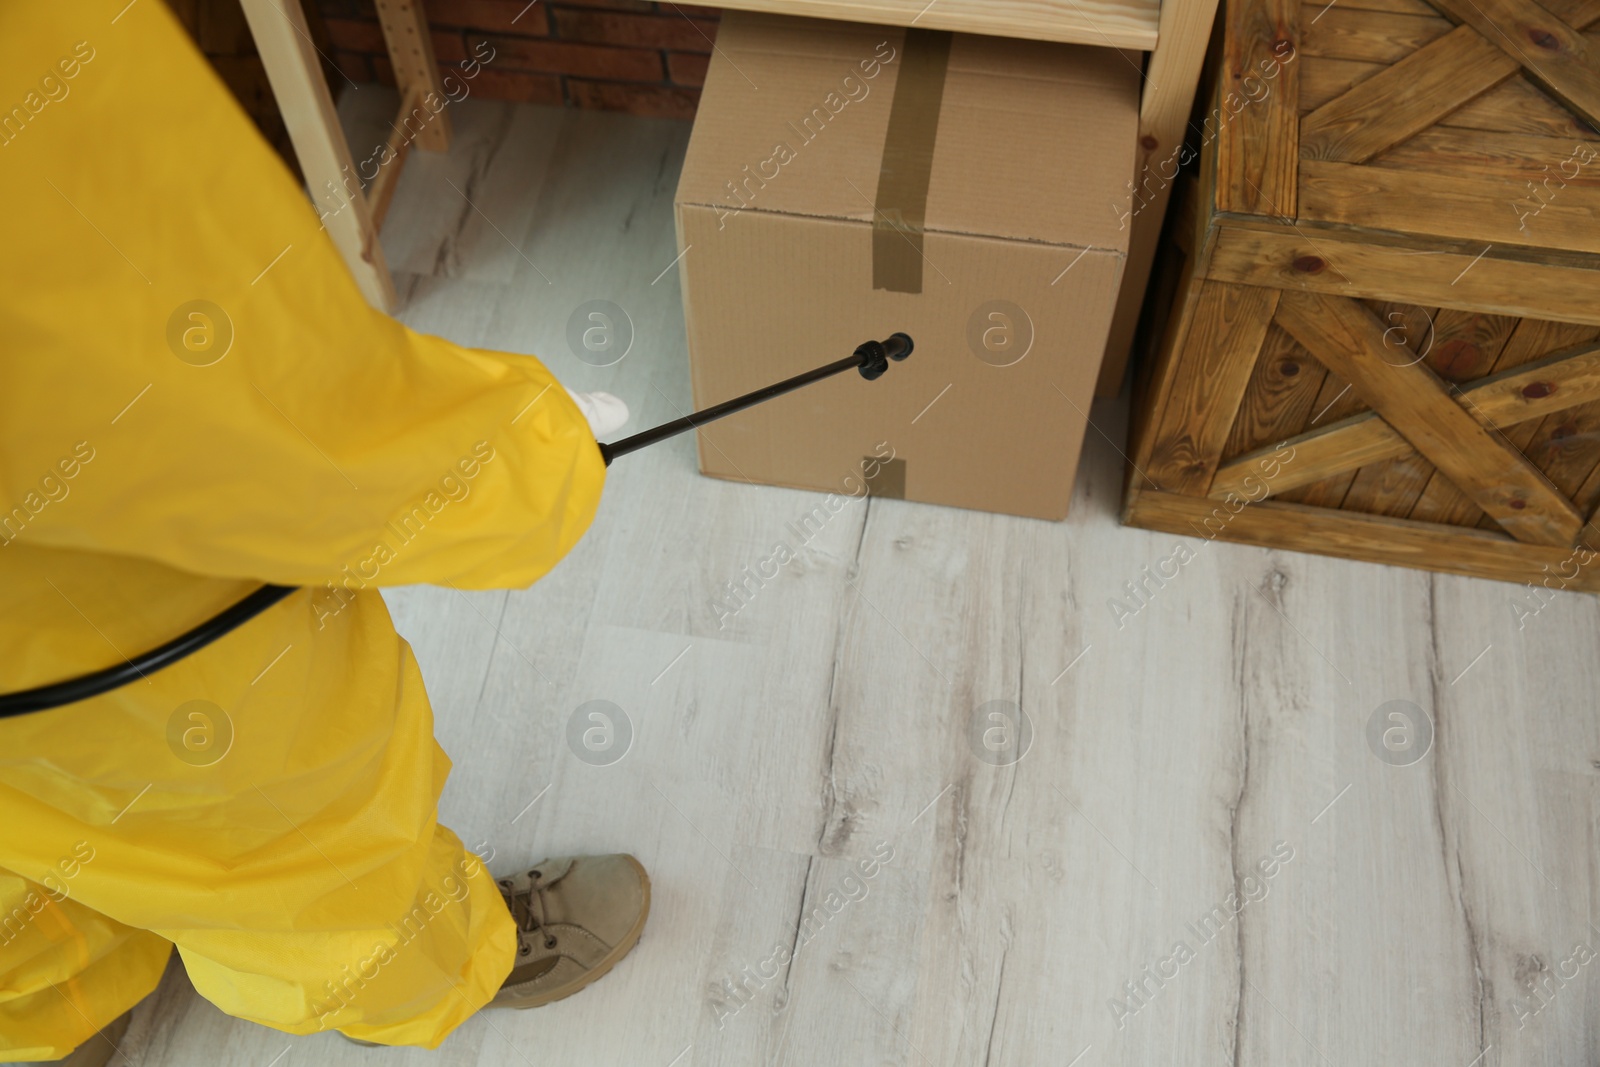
x=605 y=413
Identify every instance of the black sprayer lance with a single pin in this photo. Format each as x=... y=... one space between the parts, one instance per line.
x=870 y=358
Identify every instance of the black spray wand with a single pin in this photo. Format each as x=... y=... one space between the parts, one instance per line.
x=871 y=358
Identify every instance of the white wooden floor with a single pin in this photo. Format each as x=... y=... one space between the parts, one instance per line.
x=1221 y=730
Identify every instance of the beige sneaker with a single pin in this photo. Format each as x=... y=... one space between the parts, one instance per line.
x=575 y=919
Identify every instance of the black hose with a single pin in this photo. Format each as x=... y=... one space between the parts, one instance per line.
x=92 y=685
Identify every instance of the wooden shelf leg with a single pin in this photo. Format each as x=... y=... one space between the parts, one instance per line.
x=294 y=70
x=1169 y=88
x=416 y=72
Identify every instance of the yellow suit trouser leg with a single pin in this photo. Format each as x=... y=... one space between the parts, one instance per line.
x=64 y=967
x=303 y=874
x=407 y=981
x=66 y=970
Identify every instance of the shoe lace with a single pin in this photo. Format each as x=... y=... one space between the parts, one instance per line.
x=529 y=910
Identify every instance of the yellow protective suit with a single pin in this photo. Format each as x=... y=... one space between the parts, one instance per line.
x=282 y=832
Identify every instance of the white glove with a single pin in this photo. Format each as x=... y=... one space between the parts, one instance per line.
x=605 y=413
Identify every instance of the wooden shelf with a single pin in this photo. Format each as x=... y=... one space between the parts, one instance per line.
x=1106 y=23
x=1174 y=32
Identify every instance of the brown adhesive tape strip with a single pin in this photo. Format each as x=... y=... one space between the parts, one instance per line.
x=890 y=480
x=908 y=162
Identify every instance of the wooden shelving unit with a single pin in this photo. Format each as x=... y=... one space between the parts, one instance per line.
x=1173 y=32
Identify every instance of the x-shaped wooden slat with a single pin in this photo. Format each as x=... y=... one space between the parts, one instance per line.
x=1348 y=339
x=1546 y=386
x=1492 y=41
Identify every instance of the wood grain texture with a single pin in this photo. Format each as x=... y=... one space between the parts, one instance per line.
x=1323 y=79
x=1587 y=501
x=1373 y=538
x=1388 y=488
x=1414 y=401
x=1539 y=387
x=1566 y=447
x=1461 y=79
x=1518 y=106
x=1153 y=385
x=1217 y=354
x=1278 y=401
x=1519 y=396
x=1335 y=401
x=1109 y=23
x=1579 y=13
x=1551 y=52
x=1461 y=346
x=1330 y=259
x=1256 y=155
x=1468 y=207
x=1516 y=158
x=1323 y=493
x=1340 y=447
x=1404 y=99
x=1442 y=502
x=1410 y=334
x=1396 y=7
x=1340 y=32
x=1532 y=340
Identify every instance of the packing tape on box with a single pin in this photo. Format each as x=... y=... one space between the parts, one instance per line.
x=907 y=164
x=888 y=479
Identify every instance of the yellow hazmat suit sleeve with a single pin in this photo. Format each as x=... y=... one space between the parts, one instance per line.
x=178 y=327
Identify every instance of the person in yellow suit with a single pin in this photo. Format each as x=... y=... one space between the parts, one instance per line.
x=196 y=400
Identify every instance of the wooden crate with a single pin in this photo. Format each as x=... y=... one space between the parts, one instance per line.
x=1380 y=339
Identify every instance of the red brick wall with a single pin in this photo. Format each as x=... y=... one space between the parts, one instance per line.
x=621 y=55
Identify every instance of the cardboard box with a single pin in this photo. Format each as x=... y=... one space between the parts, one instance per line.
x=845 y=181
